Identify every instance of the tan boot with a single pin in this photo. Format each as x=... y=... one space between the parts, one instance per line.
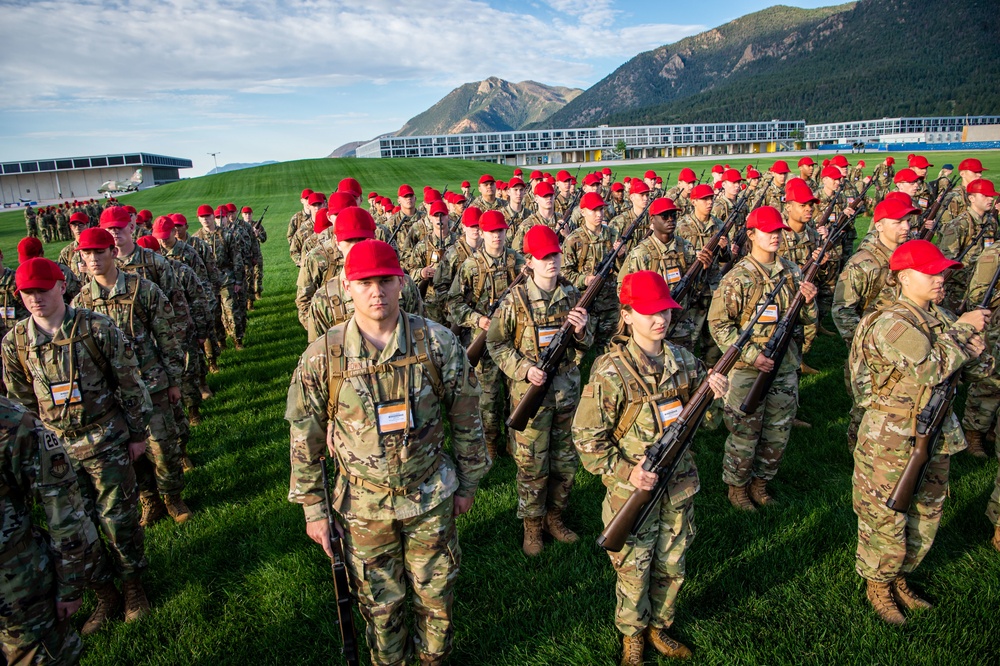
x=974 y=439
x=758 y=492
x=238 y=345
x=823 y=331
x=194 y=416
x=109 y=603
x=632 y=647
x=176 y=507
x=665 y=645
x=907 y=598
x=799 y=423
x=739 y=498
x=806 y=370
x=996 y=538
x=153 y=509
x=213 y=368
x=426 y=660
x=491 y=449
x=136 y=604
x=532 y=545
x=555 y=526
x=880 y=596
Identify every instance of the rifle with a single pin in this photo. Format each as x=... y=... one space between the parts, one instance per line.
x=740 y=240
x=341 y=584
x=828 y=211
x=260 y=220
x=933 y=212
x=552 y=355
x=426 y=282
x=392 y=236
x=569 y=211
x=701 y=176
x=929 y=423
x=664 y=455
x=478 y=346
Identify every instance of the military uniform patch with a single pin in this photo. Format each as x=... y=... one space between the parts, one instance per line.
x=60 y=465
x=895 y=331
x=50 y=441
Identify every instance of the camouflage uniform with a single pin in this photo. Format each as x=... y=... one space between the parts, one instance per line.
x=697 y=233
x=559 y=204
x=12 y=307
x=84 y=383
x=982 y=402
x=47 y=225
x=394 y=490
x=481 y=279
x=62 y=224
x=797 y=247
x=483 y=205
x=650 y=568
x=298 y=220
x=582 y=252
x=229 y=268
x=621 y=224
x=144 y=315
x=517 y=242
x=72 y=283
x=69 y=256
x=303 y=234
x=446 y=271
x=258 y=239
x=319 y=266
x=31 y=222
x=333 y=305
x=544 y=453
x=844 y=199
x=515 y=218
x=956 y=203
x=242 y=245
x=955 y=237
x=414 y=227
x=774 y=196
x=724 y=207
x=883 y=175
x=757 y=441
x=681 y=200
x=898 y=354
x=428 y=252
x=39 y=569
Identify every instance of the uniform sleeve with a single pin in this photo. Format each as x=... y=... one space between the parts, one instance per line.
x=414 y=261
x=847 y=300
x=723 y=319
x=461 y=390
x=306 y=413
x=808 y=313
x=168 y=346
x=601 y=404
x=319 y=319
x=953 y=237
x=571 y=270
x=908 y=348
x=461 y=311
x=411 y=301
x=501 y=344
x=132 y=394
x=196 y=294
x=212 y=268
x=982 y=275
x=20 y=386
x=304 y=289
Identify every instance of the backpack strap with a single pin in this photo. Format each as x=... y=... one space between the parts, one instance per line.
x=334 y=341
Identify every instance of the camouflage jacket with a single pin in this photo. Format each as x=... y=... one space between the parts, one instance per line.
x=333 y=305
x=34 y=469
x=94 y=404
x=480 y=281
x=866 y=284
x=560 y=204
x=741 y=292
x=820 y=206
x=621 y=224
x=12 y=307
x=517 y=241
x=68 y=256
x=897 y=356
x=448 y=267
x=251 y=244
x=144 y=315
x=29 y=214
x=297 y=241
x=582 y=252
x=228 y=262
x=619 y=418
x=798 y=247
x=698 y=233
x=313 y=241
x=515 y=218
x=483 y=205
x=957 y=236
x=186 y=254
x=724 y=207
x=979 y=282
x=923 y=196
x=883 y=176
x=670 y=259
x=321 y=264
x=681 y=199
x=956 y=203
x=411 y=229
x=207 y=255
x=200 y=299
x=774 y=196
x=397 y=474
x=429 y=251
x=150 y=265
x=297 y=220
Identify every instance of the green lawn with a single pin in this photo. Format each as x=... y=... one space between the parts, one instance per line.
x=241 y=583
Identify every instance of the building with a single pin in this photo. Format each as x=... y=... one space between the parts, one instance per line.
x=558 y=146
x=82 y=177
x=941 y=130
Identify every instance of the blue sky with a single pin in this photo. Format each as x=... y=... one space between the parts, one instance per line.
x=291 y=79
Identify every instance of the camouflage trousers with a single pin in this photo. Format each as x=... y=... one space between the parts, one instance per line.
x=892 y=543
x=29 y=631
x=110 y=498
x=650 y=567
x=31 y=227
x=160 y=469
x=607 y=324
x=993 y=506
x=854 y=420
x=701 y=336
x=194 y=373
x=231 y=314
x=757 y=441
x=982 y=405
x=257 y=277
x=492 y=399
x=385 y=557
x=183 y=427
x=544 y=453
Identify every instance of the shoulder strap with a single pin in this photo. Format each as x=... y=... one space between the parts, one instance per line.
x=88 y=341
x=334 y=340
x=422 y=347
x=523 y=317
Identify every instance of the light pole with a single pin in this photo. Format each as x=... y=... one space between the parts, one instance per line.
x=216 y=160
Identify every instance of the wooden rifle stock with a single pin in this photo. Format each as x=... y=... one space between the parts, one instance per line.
x=478 y=345
x=341 y=583
x=932 y=212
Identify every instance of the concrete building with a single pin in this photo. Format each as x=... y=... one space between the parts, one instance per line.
x=80 y=177
x=940 y=130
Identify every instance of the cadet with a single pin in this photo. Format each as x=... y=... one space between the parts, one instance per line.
x=564 y=196
x=240 y=235
x=79 y=372
x=300 y=217
x=898 y=355
x=230 y=268
x=203 y=249
x=807 y=167
x=584 y=249
x=515 y=211
x=757 y=441
x=425 y=257
x=487 y=199
x=258 y=236
x=957 y=201
x=12 y=309
x=638 y=196
x=982 y=401
x=399 y=511
x=774 y=196
x=680 y=194
x=524 y=324
x=68 y=256
x=324 y=261
x=470 y=241
x=480 y=282
x=962 y=234
x=723 y=206
x=617 y=203
x=44 y=573
x=31 y=221
x=29 y=248
x=316 y=201
x=884 y=175
x=544 y=214
x=635 y=391
x=919 y=165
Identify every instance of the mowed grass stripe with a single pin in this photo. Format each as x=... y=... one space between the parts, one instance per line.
x=241 y=583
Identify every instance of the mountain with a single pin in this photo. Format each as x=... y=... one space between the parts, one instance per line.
x=236 y=166
x=869 y=59
x=347 y=150
x=489 y=105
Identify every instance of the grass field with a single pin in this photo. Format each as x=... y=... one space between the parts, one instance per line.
x=241 y=583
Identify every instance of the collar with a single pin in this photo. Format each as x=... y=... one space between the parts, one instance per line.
x=356 y=347
x=36 y=337
x=118 y=288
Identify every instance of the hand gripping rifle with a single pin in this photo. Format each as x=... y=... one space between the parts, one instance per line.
x=341 y=584
x=930 y=422
x=569 y=211
x=664 y=455
x=478 y=346
x=552 y=356
x=934 y=212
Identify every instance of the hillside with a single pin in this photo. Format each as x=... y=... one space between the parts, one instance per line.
x=489 y=105
x=871 y=59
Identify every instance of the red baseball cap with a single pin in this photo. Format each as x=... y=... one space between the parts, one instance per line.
x=922 y=256
x=404 y=191
x=807 y=161
x=470 y=217
x=606 y=171
x=703 y=191
x=902 y=197
x=492 y=220
x=179 y=220
x=592 y=179
x=162 y=227
x=339 y=201
x=518 y=172
x=687 y=175
x=718 y=168
x=563 y=176
x=38 y=273
x=95 y=238
x=918 y=162
x=372 y=195
x=971 y=164
x=617 y=187
x=79 y=218
x=316 y=198
x=589 y=201
x=222 y=211
x=354 y=223
x=650 y=174
x=906 y=176
x=544 y=189
x=981 y=186
x=321 y=221
x=31 y=247
x=466 y=183
x=246 y=209
x=371 y=258
x=893 y=209
x=131 y=210
x=431 y=195
x=861 y=163
x=646 y=292
x=148 y=242
x=439 y=207
x=349 y=186
x=780 y=166
x=638 y=187
x=840 y=161
x=831 y=172
x=798 y=190
x=501 y=185
x=661 y=206
x=541 y=241
x=535 y=175
x=753 y=174
x=890 y=160
x=205 y=210
x=766 y=218
x=144 y=215
x=732 y=176
x=231 y=207
x=115 y=217
x=486 y=178
x=305 y=193
x=515 y=182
